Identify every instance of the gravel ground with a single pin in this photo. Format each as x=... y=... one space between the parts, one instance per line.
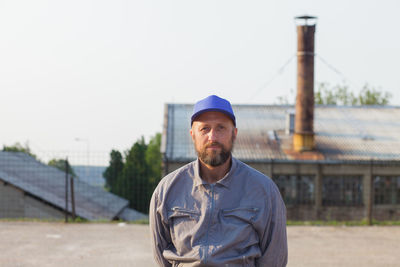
x=59 y=244
x=353 y=246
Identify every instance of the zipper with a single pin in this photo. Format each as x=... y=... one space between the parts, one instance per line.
x=209 y=222
x=177 y=209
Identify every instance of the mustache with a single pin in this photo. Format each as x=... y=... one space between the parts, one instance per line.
x=214 y=144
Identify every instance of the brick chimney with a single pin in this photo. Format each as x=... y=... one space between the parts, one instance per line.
x=303 y=138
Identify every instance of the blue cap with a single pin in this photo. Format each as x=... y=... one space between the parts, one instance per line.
x=213 y=103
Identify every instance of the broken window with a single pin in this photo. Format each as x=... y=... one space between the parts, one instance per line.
x=387 y=189
x=296 y=189
x=342 y=191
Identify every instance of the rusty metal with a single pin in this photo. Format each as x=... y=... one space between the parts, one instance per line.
x=340 y=133
x=304 y=120
x=304 y=155
x=287 y=146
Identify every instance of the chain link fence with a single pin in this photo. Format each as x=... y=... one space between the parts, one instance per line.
x=339 y=190
x=68 y=185
x=103 y=186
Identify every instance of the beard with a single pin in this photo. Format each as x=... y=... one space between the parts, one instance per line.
x=215 y=158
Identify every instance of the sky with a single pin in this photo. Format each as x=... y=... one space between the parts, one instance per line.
x=102 y=71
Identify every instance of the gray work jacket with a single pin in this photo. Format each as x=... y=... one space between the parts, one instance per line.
x=238 y=221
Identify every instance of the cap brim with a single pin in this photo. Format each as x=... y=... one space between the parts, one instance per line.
x=194 y=116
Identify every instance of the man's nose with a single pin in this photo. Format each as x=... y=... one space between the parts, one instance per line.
x=212 y=135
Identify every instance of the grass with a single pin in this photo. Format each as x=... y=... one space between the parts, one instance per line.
x=77 y=220
x=29 y=220
x=146 y=221
x=342 y=223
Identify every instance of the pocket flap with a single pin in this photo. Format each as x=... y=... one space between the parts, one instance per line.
x=176 y=212
x=246 y=214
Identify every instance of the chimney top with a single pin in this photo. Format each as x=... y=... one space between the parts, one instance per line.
x=306 y=20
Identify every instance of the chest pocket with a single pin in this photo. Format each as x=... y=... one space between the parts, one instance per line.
x=246 y=215
x=238 y=224
x=182 y=224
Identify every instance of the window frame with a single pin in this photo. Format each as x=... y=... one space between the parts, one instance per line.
x=386 y=189
x=342 y=190
x=296 y=195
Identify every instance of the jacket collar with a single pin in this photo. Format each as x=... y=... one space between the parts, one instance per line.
x=225 y=181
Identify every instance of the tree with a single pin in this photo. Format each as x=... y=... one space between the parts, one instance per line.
x=341 y=95
x=133 y=183
x=154 y=160
x=371 y=96
x=135 y=177
x=17 y=147
x=114 y=170
x=60 y=164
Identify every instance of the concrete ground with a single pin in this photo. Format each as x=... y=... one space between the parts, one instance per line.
x=59 y=244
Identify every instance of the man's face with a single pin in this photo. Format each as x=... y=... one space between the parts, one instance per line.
x=213 y=134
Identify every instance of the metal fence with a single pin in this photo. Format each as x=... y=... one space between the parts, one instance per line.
x=338 y=190
x=63 y=186
x=60 y=185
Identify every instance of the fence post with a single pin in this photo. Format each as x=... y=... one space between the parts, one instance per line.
x=73 y=198
x=370 y=193
x=271 y=175
x=66 y=190
x=318 y=192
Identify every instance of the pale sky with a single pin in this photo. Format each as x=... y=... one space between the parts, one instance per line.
x=103 y=70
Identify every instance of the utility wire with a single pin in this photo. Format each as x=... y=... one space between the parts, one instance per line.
x=335 y=70
x=330 y=66
x=279 y=72
x=282 y=69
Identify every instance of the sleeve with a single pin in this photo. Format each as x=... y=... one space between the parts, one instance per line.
x=160 y=237
x=273 y=242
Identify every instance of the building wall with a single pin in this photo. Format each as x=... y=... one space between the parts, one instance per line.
x=11 y=202
x=14 y=203
x=300 y=213
x=318 y=211
x=386 y=212
x=342 y=213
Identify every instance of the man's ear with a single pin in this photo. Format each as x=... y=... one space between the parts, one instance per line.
x=191 y=133
x=235 y=133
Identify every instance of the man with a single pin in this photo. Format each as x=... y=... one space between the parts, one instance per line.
x=217 y=211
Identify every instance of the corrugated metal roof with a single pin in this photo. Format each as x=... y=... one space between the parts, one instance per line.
x=341 y=133
x=132 y=215
x=48 y=183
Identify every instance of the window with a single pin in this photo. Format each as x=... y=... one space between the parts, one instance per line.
x=342 y=191
x=387 y=190
x=296 y=189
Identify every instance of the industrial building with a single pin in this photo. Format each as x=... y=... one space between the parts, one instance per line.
x=329 y=162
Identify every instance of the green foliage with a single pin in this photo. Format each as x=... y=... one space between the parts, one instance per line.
x=135 y=177
x=154 y=160
x=60 y=164
x=114 y=169
x=371 y=96
x=17 y=147
x=133 y=184
x=341 y=95
x=143 y=221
